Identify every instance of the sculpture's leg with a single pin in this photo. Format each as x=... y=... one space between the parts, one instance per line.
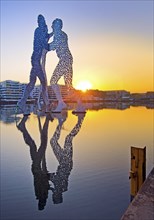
x=58 y=72
x=42 y=78
x=43 y=72
x=71 y=91
x=30 y=86
x=39 y=98
x=61 y=104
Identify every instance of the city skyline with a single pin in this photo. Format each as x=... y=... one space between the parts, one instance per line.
x=84 y=90
x=111 y=41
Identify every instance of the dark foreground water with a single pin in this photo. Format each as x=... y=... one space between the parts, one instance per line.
x=71 y=167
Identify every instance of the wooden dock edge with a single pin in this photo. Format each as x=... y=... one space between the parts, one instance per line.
x=142 y=206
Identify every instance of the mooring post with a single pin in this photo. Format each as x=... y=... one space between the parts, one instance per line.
x=138 y=169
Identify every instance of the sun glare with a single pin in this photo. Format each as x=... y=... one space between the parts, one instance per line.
x=84 y=85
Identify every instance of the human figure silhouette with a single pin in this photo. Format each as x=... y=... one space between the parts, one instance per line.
x=64 y=156
x=43 y=62
x=40 y=44
x=64 y=66
x=38 y=168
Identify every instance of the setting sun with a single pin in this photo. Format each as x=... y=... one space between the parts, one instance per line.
x=84 y=85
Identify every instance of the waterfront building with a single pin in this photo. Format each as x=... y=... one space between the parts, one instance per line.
x=37 y=92
x=150 y=95
x=110 y=95
x=143 y=97
x=119 y=95
x=10 y=90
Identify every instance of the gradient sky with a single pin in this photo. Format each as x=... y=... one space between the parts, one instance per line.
x=111 y=41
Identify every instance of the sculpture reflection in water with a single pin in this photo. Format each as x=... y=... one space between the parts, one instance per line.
x=42 y=177
x=38 y=168
x=64 y=156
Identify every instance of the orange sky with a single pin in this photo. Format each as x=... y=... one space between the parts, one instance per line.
x=113 y=49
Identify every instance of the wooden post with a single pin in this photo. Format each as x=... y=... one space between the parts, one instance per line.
x=138 y=169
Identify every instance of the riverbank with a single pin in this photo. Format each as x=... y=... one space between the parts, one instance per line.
x=142 y=206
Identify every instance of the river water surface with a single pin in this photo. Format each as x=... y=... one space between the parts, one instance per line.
x=71 y=167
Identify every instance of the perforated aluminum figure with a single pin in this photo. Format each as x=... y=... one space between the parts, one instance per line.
x=40 y=44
